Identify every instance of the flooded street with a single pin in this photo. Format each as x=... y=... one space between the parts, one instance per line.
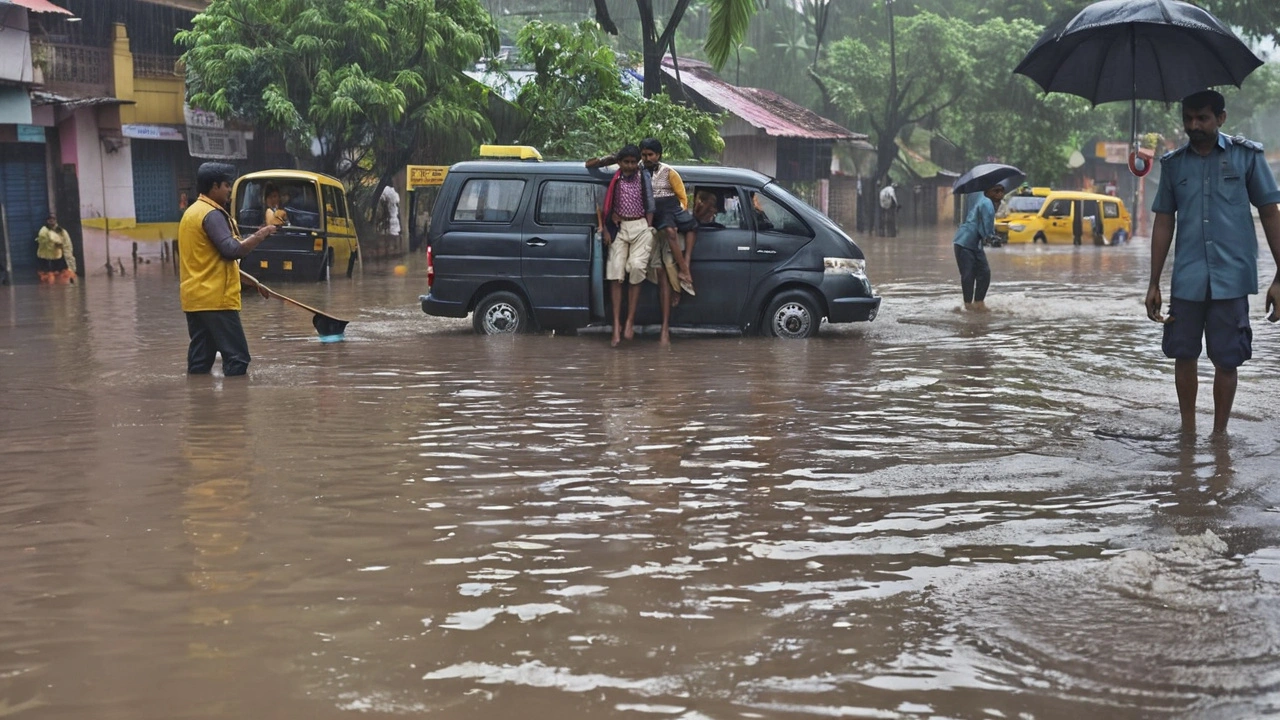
x=932 y=515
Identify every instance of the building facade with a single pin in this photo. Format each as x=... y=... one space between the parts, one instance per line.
x=98 y=120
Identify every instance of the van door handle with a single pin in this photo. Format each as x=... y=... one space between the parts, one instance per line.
x=766 y=251
x=535 y=242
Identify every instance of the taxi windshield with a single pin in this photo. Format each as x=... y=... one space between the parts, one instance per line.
x=1025 y=204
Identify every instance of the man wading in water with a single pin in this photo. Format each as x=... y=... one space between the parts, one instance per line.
x=1206 y=187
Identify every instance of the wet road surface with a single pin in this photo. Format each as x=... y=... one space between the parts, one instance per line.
x=933 y=515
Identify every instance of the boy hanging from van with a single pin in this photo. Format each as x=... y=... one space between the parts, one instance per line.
x=628 y=233
x=671 y=217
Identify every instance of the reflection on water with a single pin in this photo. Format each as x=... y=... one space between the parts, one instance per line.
x=935 y=514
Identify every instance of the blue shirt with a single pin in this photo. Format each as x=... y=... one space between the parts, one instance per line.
x=1215 y=252
x=978 y=224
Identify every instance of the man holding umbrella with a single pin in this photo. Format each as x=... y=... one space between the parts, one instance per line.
x=1206 y=187
x=979 y=225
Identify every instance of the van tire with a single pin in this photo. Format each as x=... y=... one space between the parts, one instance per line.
x=500 y=313
x=793 y=315
x=1040 y=238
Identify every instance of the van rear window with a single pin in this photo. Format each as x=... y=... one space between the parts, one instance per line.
x=488 y=200
x=569 y=203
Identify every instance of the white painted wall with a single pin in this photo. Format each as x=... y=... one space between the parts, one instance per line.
x=15 y=45
x=106 y=178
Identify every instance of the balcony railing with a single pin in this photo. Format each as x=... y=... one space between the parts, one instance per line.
x=156 y=66
x=77 y=68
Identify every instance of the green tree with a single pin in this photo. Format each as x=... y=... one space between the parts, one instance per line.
x=1006 y=116
x=373 y=84
x=578 y=105
x=890 y=88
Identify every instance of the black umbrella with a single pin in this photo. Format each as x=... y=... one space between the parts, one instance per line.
x=1137 y=49
x=985 y=176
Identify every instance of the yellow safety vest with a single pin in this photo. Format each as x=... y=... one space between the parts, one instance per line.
x=208 y=281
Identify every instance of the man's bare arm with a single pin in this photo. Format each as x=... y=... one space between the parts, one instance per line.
x=1270 y=215
x=1161 y=241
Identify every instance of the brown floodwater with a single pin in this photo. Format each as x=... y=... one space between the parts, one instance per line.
x=934 y=515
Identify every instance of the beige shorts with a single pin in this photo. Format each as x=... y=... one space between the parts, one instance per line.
x=662 y=257
x=629 y=252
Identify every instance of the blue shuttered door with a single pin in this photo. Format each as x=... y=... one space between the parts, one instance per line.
x=25 y=194
x=155 y=191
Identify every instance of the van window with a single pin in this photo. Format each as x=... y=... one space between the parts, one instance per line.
x=335 y=202
x=1058 y=208
x=1110 y=210
x=569 y=203
x=489 y=200
x=716 y=207
x=773 y=216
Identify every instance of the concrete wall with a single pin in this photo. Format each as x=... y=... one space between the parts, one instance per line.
x=106 y=177
x=159 y=101
x=755 y=152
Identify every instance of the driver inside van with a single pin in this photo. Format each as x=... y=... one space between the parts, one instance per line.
x=275 y=214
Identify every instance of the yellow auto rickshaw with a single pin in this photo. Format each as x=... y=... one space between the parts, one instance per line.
x=317 y=233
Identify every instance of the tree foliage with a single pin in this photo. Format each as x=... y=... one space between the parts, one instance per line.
x=372 y=83
x=579 y=106
x=728 y=26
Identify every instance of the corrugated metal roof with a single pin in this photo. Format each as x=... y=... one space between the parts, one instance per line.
x=42 y=97
x=40 y=6
x=763 y=109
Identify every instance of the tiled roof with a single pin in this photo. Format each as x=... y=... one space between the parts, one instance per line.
x=763 y=109
x=40 y=6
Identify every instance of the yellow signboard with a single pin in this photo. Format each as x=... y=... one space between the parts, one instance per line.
x=424 y=175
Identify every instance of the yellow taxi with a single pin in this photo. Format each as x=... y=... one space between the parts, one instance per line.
x=1067 y=217
x=317 y=231
x=1018 y=206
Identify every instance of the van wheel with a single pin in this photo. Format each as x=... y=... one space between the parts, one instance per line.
x=792 y=315
x=500 y=313
x=1040 y=238
x=1120 y=237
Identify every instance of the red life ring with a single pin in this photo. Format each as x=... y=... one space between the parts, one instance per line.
x=1138 y=165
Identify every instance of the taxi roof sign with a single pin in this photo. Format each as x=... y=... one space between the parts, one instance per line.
x=522 y=152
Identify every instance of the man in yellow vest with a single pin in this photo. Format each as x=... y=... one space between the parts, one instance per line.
x=209 y=276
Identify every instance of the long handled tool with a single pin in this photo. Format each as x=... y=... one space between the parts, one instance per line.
x=329 y=327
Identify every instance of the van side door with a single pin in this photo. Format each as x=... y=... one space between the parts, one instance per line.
x=721 y=260
x=482 y=241
x=1057 y=220
x=556 y=257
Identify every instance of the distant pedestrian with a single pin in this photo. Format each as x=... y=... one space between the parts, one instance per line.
x=389 y=227
x=209 y=276
x=978 y=226
x=1206 y=187
x=55 y=258
x=889 y=210
x=628 y=233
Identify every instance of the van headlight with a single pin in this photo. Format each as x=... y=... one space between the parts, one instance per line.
x=844 y=266
x=1017 y=227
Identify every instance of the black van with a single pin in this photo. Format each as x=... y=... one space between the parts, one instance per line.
x=516 y=244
